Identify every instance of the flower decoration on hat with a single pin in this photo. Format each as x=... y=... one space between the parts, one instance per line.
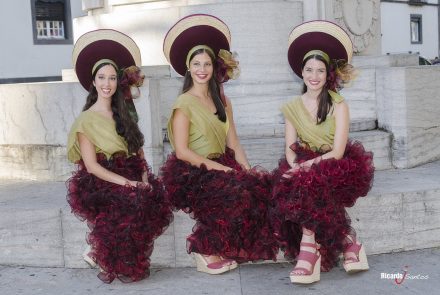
x=131 y=79
x=227 y=66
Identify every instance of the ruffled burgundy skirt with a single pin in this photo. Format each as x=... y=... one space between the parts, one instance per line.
x=316 y=199
x=123 y=221
x=230 y=208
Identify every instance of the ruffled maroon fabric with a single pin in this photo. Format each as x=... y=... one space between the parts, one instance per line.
x=123 y=221
x=230 y=208
x=316 y=199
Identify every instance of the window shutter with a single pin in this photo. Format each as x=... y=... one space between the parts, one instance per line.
x=49 y=10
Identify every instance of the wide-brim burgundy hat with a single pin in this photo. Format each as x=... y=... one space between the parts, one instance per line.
x=318 y=35
x=103 y=44
x=193 y=30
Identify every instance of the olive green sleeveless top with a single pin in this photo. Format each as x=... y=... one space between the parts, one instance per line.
x=100 y=130
x=207 y=134
x=319 y=137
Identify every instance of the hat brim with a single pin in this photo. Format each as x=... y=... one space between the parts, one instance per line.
x=193 y=30
x=103 y=44
x=318 y=35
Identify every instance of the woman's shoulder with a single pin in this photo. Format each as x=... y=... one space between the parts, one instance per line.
x=183 y=99
x=341 y=106
x=86 y=115
x=88 y=118
x=336 y=97
x=82 y=117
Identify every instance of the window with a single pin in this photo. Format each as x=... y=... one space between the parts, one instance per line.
x=49 y=29
x=51 y=21
x=416 y=29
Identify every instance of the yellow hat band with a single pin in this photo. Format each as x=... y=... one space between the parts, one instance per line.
x=194 y=49
x=104 y=61
x=317 y=52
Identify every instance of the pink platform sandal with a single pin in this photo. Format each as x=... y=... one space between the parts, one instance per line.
x=360 y=263
x=308 y=276
x=212 y=268
x=232 y=263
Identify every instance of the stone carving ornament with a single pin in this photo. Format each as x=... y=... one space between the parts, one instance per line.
x=359 y=18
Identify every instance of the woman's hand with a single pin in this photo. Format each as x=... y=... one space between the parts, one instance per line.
x=140 y=184
x=295 y=167
x=227 y=169
x=309 y=163
x=304 y=165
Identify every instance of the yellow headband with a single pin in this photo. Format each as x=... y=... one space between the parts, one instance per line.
x=194 y=49
x=102 y=61
x=318 y=52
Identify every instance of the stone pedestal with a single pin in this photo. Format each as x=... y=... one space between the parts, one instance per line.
x=408 y=105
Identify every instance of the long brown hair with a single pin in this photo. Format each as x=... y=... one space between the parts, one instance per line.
x=125 y=125
x=324 y=100
x=213 y=85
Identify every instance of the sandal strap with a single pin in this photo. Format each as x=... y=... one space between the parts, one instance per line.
x=306 y=271
x=351 y=259
x=355 y=248
x=308 y=256
x=312 y=245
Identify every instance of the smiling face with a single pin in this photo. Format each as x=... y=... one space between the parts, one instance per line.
x=201 y=68
x=105 y=82
x=314 y=74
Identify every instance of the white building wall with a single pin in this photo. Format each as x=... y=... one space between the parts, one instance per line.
x=19 y=56
x=395 y=21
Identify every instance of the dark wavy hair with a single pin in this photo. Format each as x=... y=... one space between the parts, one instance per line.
x=324 y=100
x=213 y=85
x=125 y=125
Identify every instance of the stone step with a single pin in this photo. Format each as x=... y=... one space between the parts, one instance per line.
x=402 y=212
x=266 y=151
x=277 y=130
x=261 y=101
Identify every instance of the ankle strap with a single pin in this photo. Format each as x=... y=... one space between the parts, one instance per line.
x=308 y=256
x=354 y=248
x=312 y=245
x=351 y=239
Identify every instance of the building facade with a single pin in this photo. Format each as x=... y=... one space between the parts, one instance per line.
x=37 y=39
x=411 y=26
x=38 y=45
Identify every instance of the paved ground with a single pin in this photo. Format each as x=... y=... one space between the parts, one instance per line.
x=423 y=277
